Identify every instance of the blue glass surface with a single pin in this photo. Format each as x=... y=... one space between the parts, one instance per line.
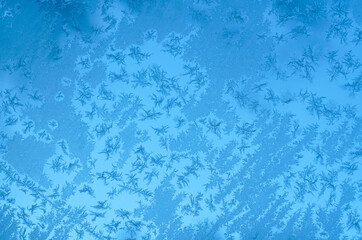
x=180 y=119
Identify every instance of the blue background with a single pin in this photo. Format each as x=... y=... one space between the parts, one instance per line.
x=189 y=119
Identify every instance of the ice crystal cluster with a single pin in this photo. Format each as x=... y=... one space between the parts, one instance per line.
x=180 y=119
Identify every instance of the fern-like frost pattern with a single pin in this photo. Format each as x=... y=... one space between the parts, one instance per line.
x=192 y=119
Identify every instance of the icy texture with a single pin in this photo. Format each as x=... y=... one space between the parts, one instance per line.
x=183 y=119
